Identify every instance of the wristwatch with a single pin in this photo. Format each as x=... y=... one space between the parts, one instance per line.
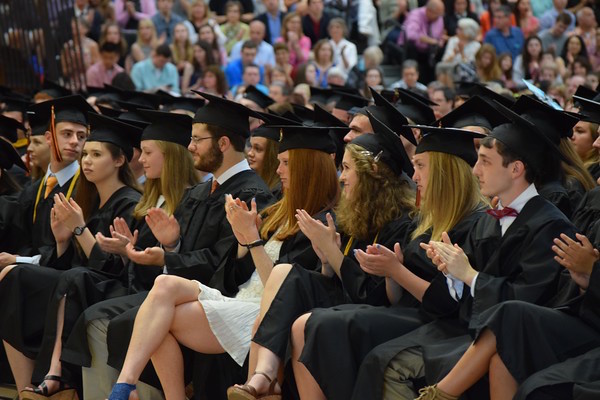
x=78 y=230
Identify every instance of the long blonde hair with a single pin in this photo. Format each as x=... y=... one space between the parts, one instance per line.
x=313 y=186
x=452 y=194
x=268 y=172
x=379 y=197
x=592 y=157
x=154 y=40
x=177 y=174
x=575 y=169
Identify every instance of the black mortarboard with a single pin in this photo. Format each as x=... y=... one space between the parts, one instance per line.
x=457 y=142
x=15 y=102
x=385 y=145
x=54 y=90
x=37 y=123
x=524 y=138
x=253 y=94
x=470 y=89
x=589 y=110
x=414 y=109
x=229 y=115
x=105 y=95
x=344 y=89
x=132 y=115
x=149 y=100
x=325 y=118
x=304 y=113
x=476 y=111
x=168 y=127
x=110 y=112
x=306 y=137
x=554 y=123
x=418 y=96
x=9 y=156
x=274 y=119
x=9 y=127
x=347 y=101
x=390 y=116
x=170 y=102
x=66 y=109
x=585 y=92
x=321 y=95
x=110 y=130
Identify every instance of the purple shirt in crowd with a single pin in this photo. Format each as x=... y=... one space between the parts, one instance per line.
x=417 y=25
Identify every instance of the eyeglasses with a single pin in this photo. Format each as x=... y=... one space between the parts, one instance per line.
x=197 y=140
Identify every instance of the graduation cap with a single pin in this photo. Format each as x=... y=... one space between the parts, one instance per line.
x=385 y=145
x=168 y=127
x=9 y=156
x=306 y=137
x=321 y=95
x=554 y=123
x=585 y=92
x=273 y=119
x=418 y=96
x=171 y=102
x=344 y=89
x=110 y=112
x=253 y=94
x=589 y=110
x=413 y=108
x=523 y=137
x=390 y=116
x=325 y=118
x=304 y=113
x=470 y=89
x=72 y=109
x=105 y=95
x=9 y=127
x=109 y=130
x=231 y=116
x=15 y=102
x=348 y=101
x=37 y=123
x=54 y=90
x=148 y=100
x=454 y=141
x=476 y=111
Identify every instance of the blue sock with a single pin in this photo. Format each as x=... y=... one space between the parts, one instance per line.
x=121 y=391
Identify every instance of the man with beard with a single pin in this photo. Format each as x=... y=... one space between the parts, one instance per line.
x=197 y=247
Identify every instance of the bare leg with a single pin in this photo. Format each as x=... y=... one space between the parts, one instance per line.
x=189 y=327
x=308 y=388
x=253 y=351
x=266 y=361
x=472 y=366
x=156 y=317
x=502 y=384
x=6 y=270
x=21 y=366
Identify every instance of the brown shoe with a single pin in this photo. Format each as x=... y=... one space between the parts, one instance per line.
x=433 y=393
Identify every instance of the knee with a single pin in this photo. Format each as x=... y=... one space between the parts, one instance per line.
x=6 y=270
x=164 y=287
x=278 y=274
x=298 y=330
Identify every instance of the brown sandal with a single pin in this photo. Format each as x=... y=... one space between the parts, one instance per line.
x=248 y=392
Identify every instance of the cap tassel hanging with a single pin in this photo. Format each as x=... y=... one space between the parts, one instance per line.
x=55 y=149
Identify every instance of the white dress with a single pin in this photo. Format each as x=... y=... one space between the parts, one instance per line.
x=231 y=318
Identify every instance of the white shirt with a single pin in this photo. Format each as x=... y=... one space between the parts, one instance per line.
x=350 y=53
x=62 y=177
x=505 y=222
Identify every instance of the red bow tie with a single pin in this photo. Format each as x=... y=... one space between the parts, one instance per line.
x=505 y=212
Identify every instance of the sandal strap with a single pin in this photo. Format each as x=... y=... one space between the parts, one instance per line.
x=61 y=383
x=272 y=382
x=265 y=375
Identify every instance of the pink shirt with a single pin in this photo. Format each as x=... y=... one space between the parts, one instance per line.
x=97 y=75
x=417 y=25
x=148 y=9
x=304 y=44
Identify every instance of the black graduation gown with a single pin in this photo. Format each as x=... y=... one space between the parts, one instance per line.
x=516 y=266
x=304 y=290
x=35 y=237
x=588 y=211
x=9 y=236
x=354 y=330
x=594 y=170
x=558 y=195
x=26 y=293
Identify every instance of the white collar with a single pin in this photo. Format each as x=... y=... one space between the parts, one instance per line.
x=523 y=198
x=64 y=174
x=236 y=169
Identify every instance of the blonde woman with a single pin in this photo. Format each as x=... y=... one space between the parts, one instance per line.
x=146 y=40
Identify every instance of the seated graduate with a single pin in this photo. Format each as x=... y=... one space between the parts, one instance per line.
x=586 y=132
x=38 y=151
x=509 y=258
x=375 y=208
x=9 y=185
x=65 y=134
x=13 y=108
x=262 y=156
x=565 y=182
x=197 y=245
x=442 y=162
x=34 y=298
x=515 y=339
x=199 y=317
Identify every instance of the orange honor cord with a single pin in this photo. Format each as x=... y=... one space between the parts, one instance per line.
x=55 y=149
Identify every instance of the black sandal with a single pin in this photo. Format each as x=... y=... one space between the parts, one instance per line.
x=64 y=392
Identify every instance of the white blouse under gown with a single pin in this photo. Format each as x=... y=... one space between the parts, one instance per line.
x=231 y=318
